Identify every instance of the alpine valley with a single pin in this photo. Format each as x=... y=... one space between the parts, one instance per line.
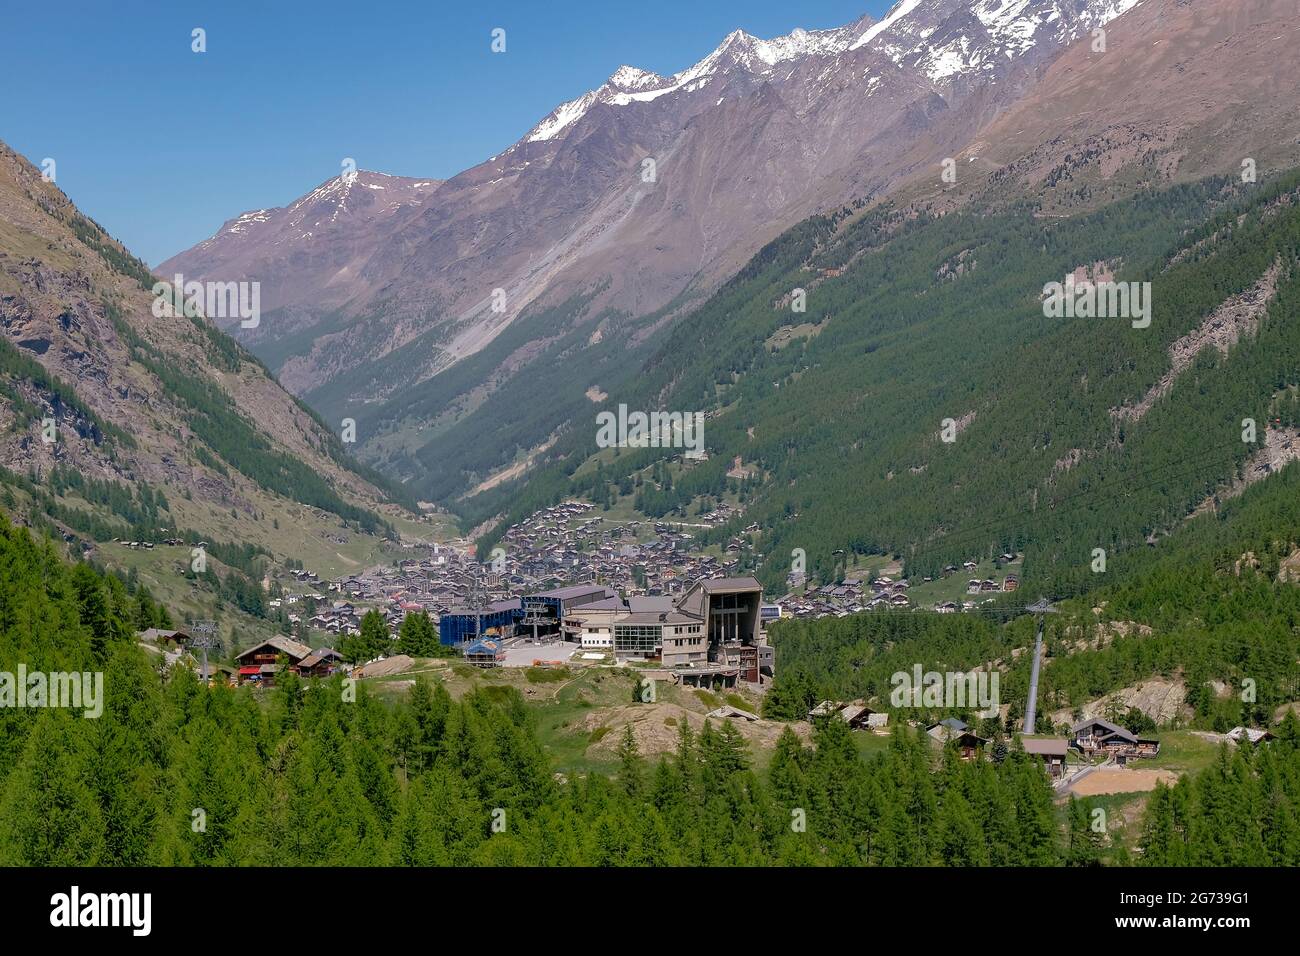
x=814 y=161
x=438 y=595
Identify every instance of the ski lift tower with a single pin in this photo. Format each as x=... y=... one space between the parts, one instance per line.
x=203 y=634
x=1041 y=608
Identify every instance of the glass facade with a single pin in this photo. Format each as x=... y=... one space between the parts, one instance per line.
x=637 y=638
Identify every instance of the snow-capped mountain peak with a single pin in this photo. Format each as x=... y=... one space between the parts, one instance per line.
x=942 y=39
x=939 y=40
x=632 y=78
x=895 y=14
x=748 y=52
x=737 y=51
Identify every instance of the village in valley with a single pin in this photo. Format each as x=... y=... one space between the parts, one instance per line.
x=575 y=607
x=572 y=544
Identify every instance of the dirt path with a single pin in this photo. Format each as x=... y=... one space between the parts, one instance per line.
x=1120 y=780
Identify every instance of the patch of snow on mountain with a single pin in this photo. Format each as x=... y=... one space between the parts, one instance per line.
x=240 y=225
x=1008 y=24
x=900 y=10
x=565 y=115
x=632 y=78
x=623 y=99
x=951 y=60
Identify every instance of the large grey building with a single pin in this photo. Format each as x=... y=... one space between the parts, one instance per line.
x=712 y=631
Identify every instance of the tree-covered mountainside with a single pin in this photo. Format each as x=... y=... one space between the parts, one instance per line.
x=1069 y=434
x=1216 y=606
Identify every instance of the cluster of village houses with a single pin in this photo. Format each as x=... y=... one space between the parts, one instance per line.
x=713 y=633
x=470 y=601
x=1092 y=739
x=553 y=548
x=860 y=592
x=629 y=572
x=571 y=542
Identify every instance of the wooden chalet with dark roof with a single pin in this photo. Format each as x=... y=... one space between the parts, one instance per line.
x=1097 y=736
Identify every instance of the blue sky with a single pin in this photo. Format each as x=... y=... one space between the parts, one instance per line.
x=161 y=145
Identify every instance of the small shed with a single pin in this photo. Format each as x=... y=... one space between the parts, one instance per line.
x=485 y=653
x=1252 y=735
x=1050 y=751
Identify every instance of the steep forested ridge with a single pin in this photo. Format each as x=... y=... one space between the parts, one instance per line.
x=1214 y=602
x=933 y=318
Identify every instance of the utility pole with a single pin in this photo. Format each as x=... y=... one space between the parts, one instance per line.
x=1041 y=608
x=476 y=595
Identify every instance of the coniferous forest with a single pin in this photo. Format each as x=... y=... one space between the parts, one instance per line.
x=857 y=443
x=324 y=773
x=843 y=421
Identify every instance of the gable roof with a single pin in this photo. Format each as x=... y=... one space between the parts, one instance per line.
x=726 y=710
x=1046 y=746
x=317 y=656
x=287 y=646
x=1112 y=730
x=154 y=633
x=1251 y=734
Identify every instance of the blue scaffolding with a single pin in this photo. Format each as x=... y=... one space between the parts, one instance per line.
x=461 y=625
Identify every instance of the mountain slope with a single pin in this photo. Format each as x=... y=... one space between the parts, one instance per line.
x=892 y=326
x=841 y=418
x=315 y=249
x=1200 y=87
x=145 y=404
x=754 y=137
